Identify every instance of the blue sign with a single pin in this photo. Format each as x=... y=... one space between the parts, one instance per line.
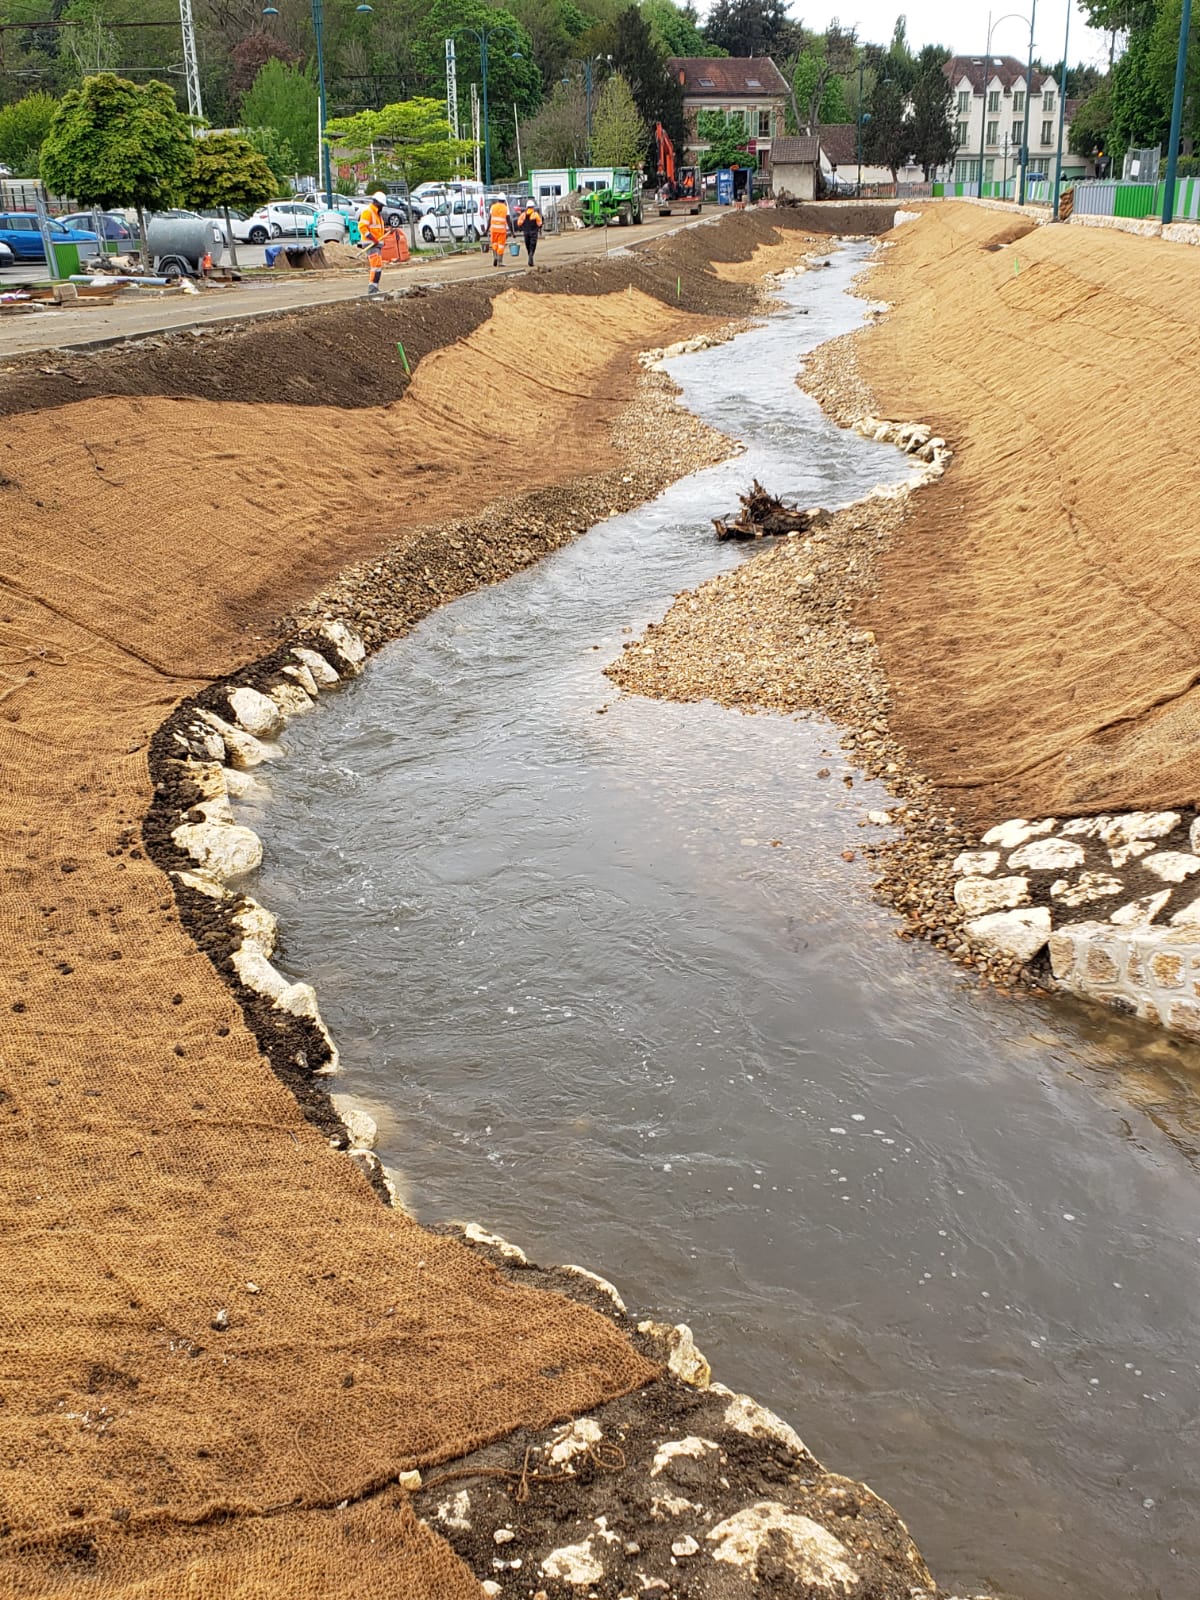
x=724 y=186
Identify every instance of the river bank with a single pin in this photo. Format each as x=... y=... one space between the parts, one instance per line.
x=226 y=1349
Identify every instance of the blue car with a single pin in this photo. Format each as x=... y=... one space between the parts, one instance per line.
x=19 y=231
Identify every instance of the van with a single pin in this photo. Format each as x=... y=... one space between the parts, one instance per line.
x=459 y=216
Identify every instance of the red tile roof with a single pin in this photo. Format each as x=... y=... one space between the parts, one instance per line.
x=839 y=141
x=728 y=77
x=1007 y=70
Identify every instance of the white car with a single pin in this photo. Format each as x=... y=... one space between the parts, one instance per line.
x=453 y=220
x=291 y=218
x=7 y=259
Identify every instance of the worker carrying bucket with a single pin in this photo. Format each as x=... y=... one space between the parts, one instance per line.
x=371 y=231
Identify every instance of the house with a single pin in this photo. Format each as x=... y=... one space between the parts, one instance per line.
x=989 y=114
x=750 y=87
x=794 y=164
x=840 y=163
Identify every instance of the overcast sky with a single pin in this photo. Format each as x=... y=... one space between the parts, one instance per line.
x=962 y=27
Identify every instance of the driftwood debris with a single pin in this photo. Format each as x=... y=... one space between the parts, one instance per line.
x=764 y=516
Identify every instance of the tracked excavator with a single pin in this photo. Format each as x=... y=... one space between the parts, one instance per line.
x=674 y=183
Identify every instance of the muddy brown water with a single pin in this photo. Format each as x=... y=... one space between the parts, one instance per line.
x=608 y=986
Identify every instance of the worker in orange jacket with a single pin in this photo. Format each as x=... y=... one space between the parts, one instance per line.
x=498 y=230
x=371 y=230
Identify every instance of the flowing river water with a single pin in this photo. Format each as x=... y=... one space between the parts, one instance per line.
x=609 y=987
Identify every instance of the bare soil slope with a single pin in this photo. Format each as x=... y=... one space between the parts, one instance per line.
x=211 y=1333
x=1039 y=618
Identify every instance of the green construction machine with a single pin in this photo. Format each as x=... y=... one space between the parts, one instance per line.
x=620 y=203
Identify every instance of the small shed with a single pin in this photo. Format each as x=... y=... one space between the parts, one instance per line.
x=794 y=165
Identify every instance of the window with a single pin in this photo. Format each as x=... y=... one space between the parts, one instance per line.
x=960 y=133
x=989 y=171
x=708 y=83
x=753 y=83
x=1048 y=101
x=764 y=124
x=1048 y=132
x=966 y=171
x=1019 y=100
x=993 y=132
x=964 y=102
x=993 y=100
x=1018 y=129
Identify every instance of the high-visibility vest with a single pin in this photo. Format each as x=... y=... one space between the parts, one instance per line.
x=370 y=224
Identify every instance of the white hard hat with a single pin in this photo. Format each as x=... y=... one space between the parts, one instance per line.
x=380 y=197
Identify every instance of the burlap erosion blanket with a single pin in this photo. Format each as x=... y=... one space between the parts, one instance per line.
x=212 y=1335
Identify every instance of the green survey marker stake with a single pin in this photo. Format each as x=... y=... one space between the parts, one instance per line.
x=1016 y=266
x=403 y=358
x=678 y=288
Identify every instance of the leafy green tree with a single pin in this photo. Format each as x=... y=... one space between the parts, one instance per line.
x=275 y=151
x=553 y=27
x=619 y=135
x=932 y=131
x=513 y=75
x=676 y=30
x=116 y=143
x=753 y=28
x=284 y=98
x=888 y=135
x=815 y=75
x=642 y=63
x=726 y=138
x=228 y=171
x=250 y=55
x=557 y=135
x=23 y=126
x=1091 y=122
x=409 y=139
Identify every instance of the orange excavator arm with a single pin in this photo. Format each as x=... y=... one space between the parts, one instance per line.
x=664 y=154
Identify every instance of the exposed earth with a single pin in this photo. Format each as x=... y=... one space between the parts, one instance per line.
x=223 y=1357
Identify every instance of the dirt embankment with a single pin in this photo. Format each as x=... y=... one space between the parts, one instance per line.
x=218 y=1348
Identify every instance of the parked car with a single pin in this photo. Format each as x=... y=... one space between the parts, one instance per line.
x=112 y=226
x=291 y=217
x=7 y=259
x=457 y=218
x=20 y=232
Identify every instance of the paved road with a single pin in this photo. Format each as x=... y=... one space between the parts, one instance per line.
x=132 y=318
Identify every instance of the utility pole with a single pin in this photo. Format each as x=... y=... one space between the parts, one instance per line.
x=1185 y=23
x=191 y=66
x=475 y=130
x=451 y=89
x=1028 y=108
x=1062 y=108
x=858 y=188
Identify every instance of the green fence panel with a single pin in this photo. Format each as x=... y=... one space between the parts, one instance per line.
x=1135 y=200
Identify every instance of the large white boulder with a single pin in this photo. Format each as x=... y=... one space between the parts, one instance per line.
x=977 y=896
x=255 y=713
x=1013 y=933
x=224 y=851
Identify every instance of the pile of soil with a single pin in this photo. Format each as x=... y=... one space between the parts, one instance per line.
x=1039 y=619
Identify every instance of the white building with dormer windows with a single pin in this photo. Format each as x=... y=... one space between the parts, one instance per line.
x=990 y=106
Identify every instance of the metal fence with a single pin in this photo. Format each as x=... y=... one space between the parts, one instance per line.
x=1094 y=197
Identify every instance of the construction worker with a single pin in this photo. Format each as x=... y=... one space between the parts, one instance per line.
x=498 y=229
x=530 y=225
x=371 y=231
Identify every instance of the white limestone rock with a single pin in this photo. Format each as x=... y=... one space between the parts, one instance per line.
x=323 y=674
x=291 y=699
x=1014 y=933
x=977 y=896
x=255 y=713
x=202 y=884
x=576 y=1564
x=1188 y=916
x=693 y=1447
x=1122 y=854
x=1140 y=911
x=1194 y=835
x=207 y=740
x=1139 y=825
x=1008 y=835
x=683 y=1359
x=257 y=973
x=510 y=1252
x=241 y=785
x=347 y=644
x=1087 y=887
x=681 y=1549
x=663 y=1506
x=1085 y=827
x=223 y=850
x=976 y=863
x=360 y=1125
x=455 y=1512
x=300 y=674
x=1048 y=855
x=811 y=1553
x=1171 y=866
x=575 y=1440
x=745 y=1415
x=241 y=749
x=601 y=1283
x=257 y=925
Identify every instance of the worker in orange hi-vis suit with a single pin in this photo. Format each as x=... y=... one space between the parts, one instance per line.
x=371 y=231
x=498 y=230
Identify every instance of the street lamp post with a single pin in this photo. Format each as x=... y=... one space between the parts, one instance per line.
x=318 y=16
x=861 y=59
x=1062 y=108
x=1185 y=23
x=483 y=35
x=1009 y=16
x=1028 y=110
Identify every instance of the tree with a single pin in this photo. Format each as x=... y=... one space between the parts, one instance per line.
x=815 y=78
x=932 y=132
x=251 y=54
x=228 y=171
x=657 y=95
x=619 y=135
x=557 y=135
x=513 y=75
x=887 y=137
x=753 y=28
x=726 y=138
x=275 y=151
x=1091 y=122
x=676 y=29
x=409 y=139
x=23 y=126
x=285 y=98
x=116 y=143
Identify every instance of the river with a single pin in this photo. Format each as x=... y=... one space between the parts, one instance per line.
x=609 y=987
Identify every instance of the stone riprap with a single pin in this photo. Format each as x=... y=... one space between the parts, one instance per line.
x=1115 y=900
